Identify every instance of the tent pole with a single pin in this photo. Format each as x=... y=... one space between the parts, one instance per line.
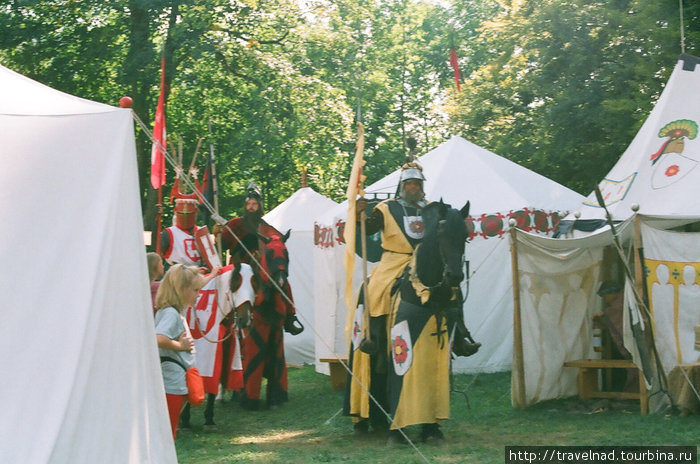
x=638 y=265
x=517 y=327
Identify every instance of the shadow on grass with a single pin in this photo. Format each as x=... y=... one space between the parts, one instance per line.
x=309 y=429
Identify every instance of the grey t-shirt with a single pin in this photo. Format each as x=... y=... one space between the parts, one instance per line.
x=170 y=323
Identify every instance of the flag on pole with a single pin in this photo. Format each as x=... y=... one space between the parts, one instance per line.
x=158 y=148
x=455 y=67
x=354 y=189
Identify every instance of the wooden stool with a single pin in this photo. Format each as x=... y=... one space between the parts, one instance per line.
x=588 y=380
x=338 y=371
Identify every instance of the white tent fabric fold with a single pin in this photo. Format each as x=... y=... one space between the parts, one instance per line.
x=558 y=282
x=81 y=374
x=296 y=214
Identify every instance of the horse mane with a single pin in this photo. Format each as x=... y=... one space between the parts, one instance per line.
x=429 y=256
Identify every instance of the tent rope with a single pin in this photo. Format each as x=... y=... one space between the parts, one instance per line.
x=221 y=221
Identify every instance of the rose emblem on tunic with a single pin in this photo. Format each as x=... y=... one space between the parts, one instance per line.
x=417 y=227
x=400 y=349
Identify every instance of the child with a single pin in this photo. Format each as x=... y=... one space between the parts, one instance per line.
x=178 y=290
x=155 y=272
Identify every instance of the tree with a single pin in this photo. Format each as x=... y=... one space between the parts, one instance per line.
x=562 y=86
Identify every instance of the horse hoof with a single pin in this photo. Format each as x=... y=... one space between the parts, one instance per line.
x=210 y=428
x=361 y=428
x=395 y=438
x=432 y=432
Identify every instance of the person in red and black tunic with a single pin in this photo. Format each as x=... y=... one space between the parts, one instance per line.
x=240 y=237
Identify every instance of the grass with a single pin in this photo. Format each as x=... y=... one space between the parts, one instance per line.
x=308 y=430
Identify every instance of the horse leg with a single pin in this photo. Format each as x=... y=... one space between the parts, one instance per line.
x=256 y=354
x=185 y=417
x=379 y=364
x=277 y=370
x=209 y=412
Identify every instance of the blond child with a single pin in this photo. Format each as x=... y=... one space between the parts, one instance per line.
x=178 y=290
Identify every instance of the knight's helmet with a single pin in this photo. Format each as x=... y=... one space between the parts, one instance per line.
x=186 y=210
x=186 y=206
x=253 y=192
x=410 y=171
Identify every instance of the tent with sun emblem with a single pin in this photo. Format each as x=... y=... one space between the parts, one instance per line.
x=499 y=190
x=650 y=195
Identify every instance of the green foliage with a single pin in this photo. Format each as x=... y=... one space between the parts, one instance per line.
x=562 y=86
x=559 y=86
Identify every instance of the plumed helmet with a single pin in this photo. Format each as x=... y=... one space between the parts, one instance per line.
x=411 y=171
x=252 y=191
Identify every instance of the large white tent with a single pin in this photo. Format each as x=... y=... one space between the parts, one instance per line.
x=559 y=279
x=81 y=374
x=498 y=189
x=296 y=214
x=664 y=187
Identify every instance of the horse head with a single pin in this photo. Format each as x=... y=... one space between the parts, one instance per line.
x=440 y=256
x=274 y=258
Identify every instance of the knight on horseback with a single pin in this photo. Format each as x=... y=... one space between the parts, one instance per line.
x=401 y=225
x=247 y=239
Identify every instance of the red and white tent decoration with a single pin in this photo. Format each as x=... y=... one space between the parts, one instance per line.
x=296 y=213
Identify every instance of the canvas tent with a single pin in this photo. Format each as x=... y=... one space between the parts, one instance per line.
x=296 y=214
x=658 y=169
x=81 y=374
x=498 y=190
x=558 y=279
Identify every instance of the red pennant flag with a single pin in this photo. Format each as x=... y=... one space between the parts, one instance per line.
x=455 y=67
x=158 y=148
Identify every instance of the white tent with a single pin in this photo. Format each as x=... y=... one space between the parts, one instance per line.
x=81 y=374
x=498 y=190
x=658 y=172
x=296 y=214
x=666 y=187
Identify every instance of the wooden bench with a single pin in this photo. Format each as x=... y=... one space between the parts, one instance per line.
x=588 y=370
x=338 y=372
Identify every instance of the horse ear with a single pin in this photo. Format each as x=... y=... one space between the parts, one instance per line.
x=286 y=236
x=443 y=208
x=465 y=210
x=264 y=239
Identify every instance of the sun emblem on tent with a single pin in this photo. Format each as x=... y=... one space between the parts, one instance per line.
x=541 y=221
x=492 y=225
x=672 y=170
x=676 y=133
x=400 y=350
x=523 y=221
x=340 y=231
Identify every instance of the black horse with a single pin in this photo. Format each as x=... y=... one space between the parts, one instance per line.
x=427 y=317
